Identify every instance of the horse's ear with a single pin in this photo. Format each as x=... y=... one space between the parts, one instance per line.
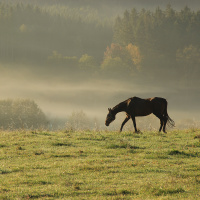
x=109 y=109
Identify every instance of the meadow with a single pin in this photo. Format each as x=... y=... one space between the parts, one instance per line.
x=100 y=165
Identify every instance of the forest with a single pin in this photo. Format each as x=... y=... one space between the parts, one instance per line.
x=138 y=42
x=86 y=40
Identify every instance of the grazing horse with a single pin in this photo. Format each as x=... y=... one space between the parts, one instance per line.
x=136 y=106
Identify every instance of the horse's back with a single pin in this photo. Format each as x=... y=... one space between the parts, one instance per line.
x=159 y=104
x=143 y=101
x=157 y=100
x=137 y=99
x=140 y=107
x=143 y=107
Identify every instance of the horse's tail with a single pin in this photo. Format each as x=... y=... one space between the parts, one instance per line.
x=170 y=122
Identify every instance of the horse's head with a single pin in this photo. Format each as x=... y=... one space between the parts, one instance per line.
x=110 y=117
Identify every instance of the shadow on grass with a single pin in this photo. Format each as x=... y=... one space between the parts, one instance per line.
x=41 y=133
x=122 y=146
x=182 y=153
x=5 y=171
x=57 y=144
x=38 y=196
x=62 y=156
x=119 y=192
x=164 y=192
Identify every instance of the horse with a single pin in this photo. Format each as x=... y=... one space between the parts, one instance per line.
x=135 y=106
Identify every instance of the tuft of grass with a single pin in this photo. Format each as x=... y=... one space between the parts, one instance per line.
x=5 y=171
x=197 y=136
x=41 y=133
x=39 y=152
x=119 y=192
x=39 y=195
x=61 y=156
x=20 y=148
x=124 y=192
x=36 y=182
x=197 y=179
x=182 y=153
x=76 y=186
x=110 y=193
x=121 y=145
x=61 y=144
x=164 y=192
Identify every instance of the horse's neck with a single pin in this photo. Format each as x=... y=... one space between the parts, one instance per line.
x=119 y=107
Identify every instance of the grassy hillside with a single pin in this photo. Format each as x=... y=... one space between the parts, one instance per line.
x=100 y=165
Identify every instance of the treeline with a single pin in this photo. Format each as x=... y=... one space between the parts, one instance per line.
x=162 y=30
x=30 y=34
x=144 y=43
x=168 y=40
x=21 y=114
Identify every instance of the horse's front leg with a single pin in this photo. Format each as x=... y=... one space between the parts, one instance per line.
x=134 y=123
x=124 y=122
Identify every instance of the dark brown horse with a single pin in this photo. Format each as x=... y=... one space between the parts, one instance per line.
x=135 y=107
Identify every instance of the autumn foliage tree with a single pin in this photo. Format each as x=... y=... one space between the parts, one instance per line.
x=122 y=59
x=135 y=54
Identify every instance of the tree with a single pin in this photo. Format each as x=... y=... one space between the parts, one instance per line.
x=23 y=28
x=20 y=114
x=121 y=59
x=87 y=62
x=188 y=59
x=135 y=54
x=78 y=121
x=65 y=61
x=114 y=65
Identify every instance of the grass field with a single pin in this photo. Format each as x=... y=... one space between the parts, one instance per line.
x=100 y=165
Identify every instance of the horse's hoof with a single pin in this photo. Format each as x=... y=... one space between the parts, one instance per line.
x=138 y=132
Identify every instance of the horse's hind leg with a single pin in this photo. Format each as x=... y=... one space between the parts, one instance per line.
x=165 y=122
x=161 y=125
x=134 y=123
x=161 y=121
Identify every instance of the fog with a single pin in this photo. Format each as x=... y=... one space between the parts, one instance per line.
x=60 y=99
x=67 y=64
